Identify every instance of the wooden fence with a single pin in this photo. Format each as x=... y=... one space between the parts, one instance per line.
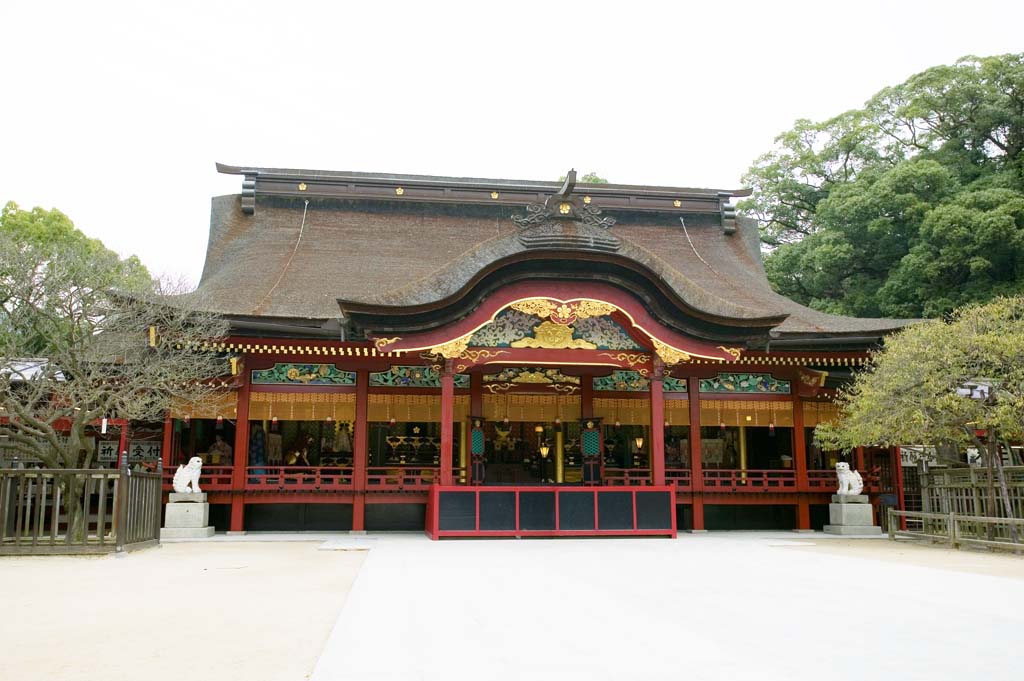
x=120 y=510
x=957 y=530
x=964 y=491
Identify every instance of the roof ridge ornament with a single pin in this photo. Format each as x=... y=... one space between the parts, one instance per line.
x=563 y=205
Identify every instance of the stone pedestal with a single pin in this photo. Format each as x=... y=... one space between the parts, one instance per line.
x=187 y=517
x=850 y=514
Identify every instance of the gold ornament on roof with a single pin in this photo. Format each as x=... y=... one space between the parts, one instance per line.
x=539 y=307
x=494 y=195
x=735 y=352
x=677 y=203
x=553 y=336
x=564 y=208
x=669 y=354
x=452 y=348
x=302 y=186
x=381 y=343
x=586 y=200
x=399 y=191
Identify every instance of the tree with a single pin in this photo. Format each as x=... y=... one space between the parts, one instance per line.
x=588 y=178
x=906 y=207
x=86 y=316
x=912 y=391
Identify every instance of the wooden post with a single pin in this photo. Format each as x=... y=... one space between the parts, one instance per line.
x=122 y=506
x=696 y=462
x=858 y=460
x=559 y=454
x=463 y=452
x=360 y=451
x=240 y=461
x=657 y=423
x=447 y=421
x=900 y=495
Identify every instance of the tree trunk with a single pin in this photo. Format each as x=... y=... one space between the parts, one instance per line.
x=74 y=512
x=1003 y=491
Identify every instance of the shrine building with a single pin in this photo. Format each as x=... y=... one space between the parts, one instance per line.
x=505 y=357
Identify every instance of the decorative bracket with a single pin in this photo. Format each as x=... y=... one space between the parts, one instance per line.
x=562 y=205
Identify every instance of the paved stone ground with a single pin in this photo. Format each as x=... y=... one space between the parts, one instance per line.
x=718 y=606
x=199 y=611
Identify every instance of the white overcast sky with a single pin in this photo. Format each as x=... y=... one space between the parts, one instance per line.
x=116 y=113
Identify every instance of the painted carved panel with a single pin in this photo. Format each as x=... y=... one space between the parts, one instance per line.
x=744 y=383
x=303 y=374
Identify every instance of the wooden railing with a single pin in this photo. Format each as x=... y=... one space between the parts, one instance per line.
x=212 y=479
x=630 y=477
x=750 y=480
x=298 y=478
x=682 y=478
x=48 y=510
x=403 y=478
x=957 y=530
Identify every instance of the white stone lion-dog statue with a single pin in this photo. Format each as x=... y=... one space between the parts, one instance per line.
x=188 y=474
x=850 y=482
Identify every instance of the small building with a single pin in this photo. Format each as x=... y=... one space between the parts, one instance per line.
x=395 y=334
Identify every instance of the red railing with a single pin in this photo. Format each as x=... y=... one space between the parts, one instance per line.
x=299 y=478
x=212 y=479
x=403 y=478
x=680 y=477
x=825 y=481
x=629 y=477
x=774 y=480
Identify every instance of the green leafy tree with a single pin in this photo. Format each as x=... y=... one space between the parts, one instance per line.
x=909 y=206
x=75 y=346
x=588 y=178
x=909 y=393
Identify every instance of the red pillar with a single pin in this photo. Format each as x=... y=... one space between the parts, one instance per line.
x=360 y=451
x=240 y=460
x=165 y=452
x=476 y=394
x=447 y=421
x=696 y=463
x=586 y=396
x=657 y=424
x=803 y=509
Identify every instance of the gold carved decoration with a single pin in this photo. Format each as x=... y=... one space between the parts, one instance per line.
x=380 y=343
x=565 y=388
x=735 y=352
x=630 y=358
x=539 y=307
x=497 y=387
x=553 y=336
x=677 y=203
x=302 y=186
x=452 y=348
x=669 y=354
x=564 y=208
x=563 y=312
x=494 y=195
x=586 y=200
x=474 y=356
x=399 y=191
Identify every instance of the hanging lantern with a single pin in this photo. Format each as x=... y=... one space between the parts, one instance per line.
x=188 y=418
x=558 y=422
x=771 y=430
x=505 y=420
x=273 y=420
x=392 y=421
x=220 y=422
x=330 y=419
x=721 y=425
x=617 y=424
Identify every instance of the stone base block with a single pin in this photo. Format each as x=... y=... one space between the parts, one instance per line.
x=853 y=529
x=187 y=515
x=850 y=514
x=186 y=532
x=178 y=497
x=850 y=499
